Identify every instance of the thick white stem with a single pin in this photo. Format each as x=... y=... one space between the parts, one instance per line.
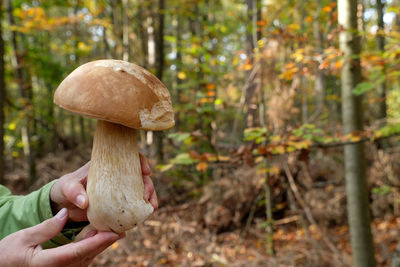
x=115 y=184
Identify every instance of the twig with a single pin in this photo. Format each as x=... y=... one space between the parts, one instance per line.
x=307 y=211
x=287 y=220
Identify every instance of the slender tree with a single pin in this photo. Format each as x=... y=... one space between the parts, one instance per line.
x=381 y=89
x=320 y=79
x=125 y=31
x=2 y=97
x=160 y=54
x=252 y=36
x=354 y=156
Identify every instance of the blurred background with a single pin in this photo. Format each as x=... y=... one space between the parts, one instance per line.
x=267 y=100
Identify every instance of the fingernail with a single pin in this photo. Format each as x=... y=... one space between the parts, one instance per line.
x=90 y=234
x=80 y=201
x=61 y=214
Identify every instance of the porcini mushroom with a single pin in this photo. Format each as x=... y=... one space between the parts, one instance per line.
x=124 y=98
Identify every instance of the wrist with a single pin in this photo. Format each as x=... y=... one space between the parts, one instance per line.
x=55 y=207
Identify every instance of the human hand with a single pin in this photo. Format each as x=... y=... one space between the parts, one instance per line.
x=70 y=191
x=23 y=248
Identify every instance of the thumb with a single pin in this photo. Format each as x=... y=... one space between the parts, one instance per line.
x=46 y=230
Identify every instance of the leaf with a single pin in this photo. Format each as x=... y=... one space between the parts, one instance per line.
x=327 y=9
x=211 y=93
x=115 y=245
x=278 y=150
x=201 y=166
x=256 y=133
x=180 y=137
x=210 y=86
x=183 y=159
x=218 y=101
x=170 y=38
x=293 y=27
x=182 y=75
x=164 y=168
x=383 y=190
x=363 y=87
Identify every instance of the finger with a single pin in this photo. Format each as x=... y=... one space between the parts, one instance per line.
x=77 y=252
x=148 y=187
x=85 y=231
x=144 y=163
x=83 y=171
x=154 y=200
x=46 y=230
x=75 y=193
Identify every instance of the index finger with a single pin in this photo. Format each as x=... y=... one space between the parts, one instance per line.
x=76 y=252
x=144 y=163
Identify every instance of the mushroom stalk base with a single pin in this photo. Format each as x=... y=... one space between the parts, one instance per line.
x=115 y=185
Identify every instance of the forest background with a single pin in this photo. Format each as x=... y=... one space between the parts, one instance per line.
x=287 y=116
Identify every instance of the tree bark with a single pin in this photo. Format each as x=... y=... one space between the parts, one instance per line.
x=320 y=79
x=125 y=31
x=143 y=34
x=355 y=169
x=252 y=38
x=116 y=9
x=2 y=97
x=381 y=88
x=81 y=120
x=160 y=69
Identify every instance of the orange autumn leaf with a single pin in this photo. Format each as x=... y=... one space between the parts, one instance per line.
x=114 y=245
x=211 y=93
x=327 y=9
x=210 y=86
x=338 y=64
x=201 y=166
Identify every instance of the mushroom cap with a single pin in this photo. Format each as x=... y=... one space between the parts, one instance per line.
x=117 y=91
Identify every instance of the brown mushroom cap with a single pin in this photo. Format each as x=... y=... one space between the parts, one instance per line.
x=117 y=91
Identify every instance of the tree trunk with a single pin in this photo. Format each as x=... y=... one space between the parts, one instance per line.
x=381 y=89
x=117 y=51
x=2 y=97
x=143 y=35
x=125 y=31
x=252 y=38
x=81 y=120
x=320 y=79
x=160 y=69
x=178 y=62
x=26 y=96
x=355 y=169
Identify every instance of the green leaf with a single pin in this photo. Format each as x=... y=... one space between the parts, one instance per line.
x=183 y=159
x=382 y=190
x=166 y=167
x=180 y=137
x=170 y=38
x=363 y=87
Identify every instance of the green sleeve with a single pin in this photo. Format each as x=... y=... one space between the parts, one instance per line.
x=19 y=212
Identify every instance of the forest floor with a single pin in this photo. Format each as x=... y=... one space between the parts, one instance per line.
x=178 y=234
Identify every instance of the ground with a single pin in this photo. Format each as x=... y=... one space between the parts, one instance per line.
x=199 y=232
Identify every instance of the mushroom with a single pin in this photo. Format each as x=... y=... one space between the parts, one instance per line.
x=124 y=98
